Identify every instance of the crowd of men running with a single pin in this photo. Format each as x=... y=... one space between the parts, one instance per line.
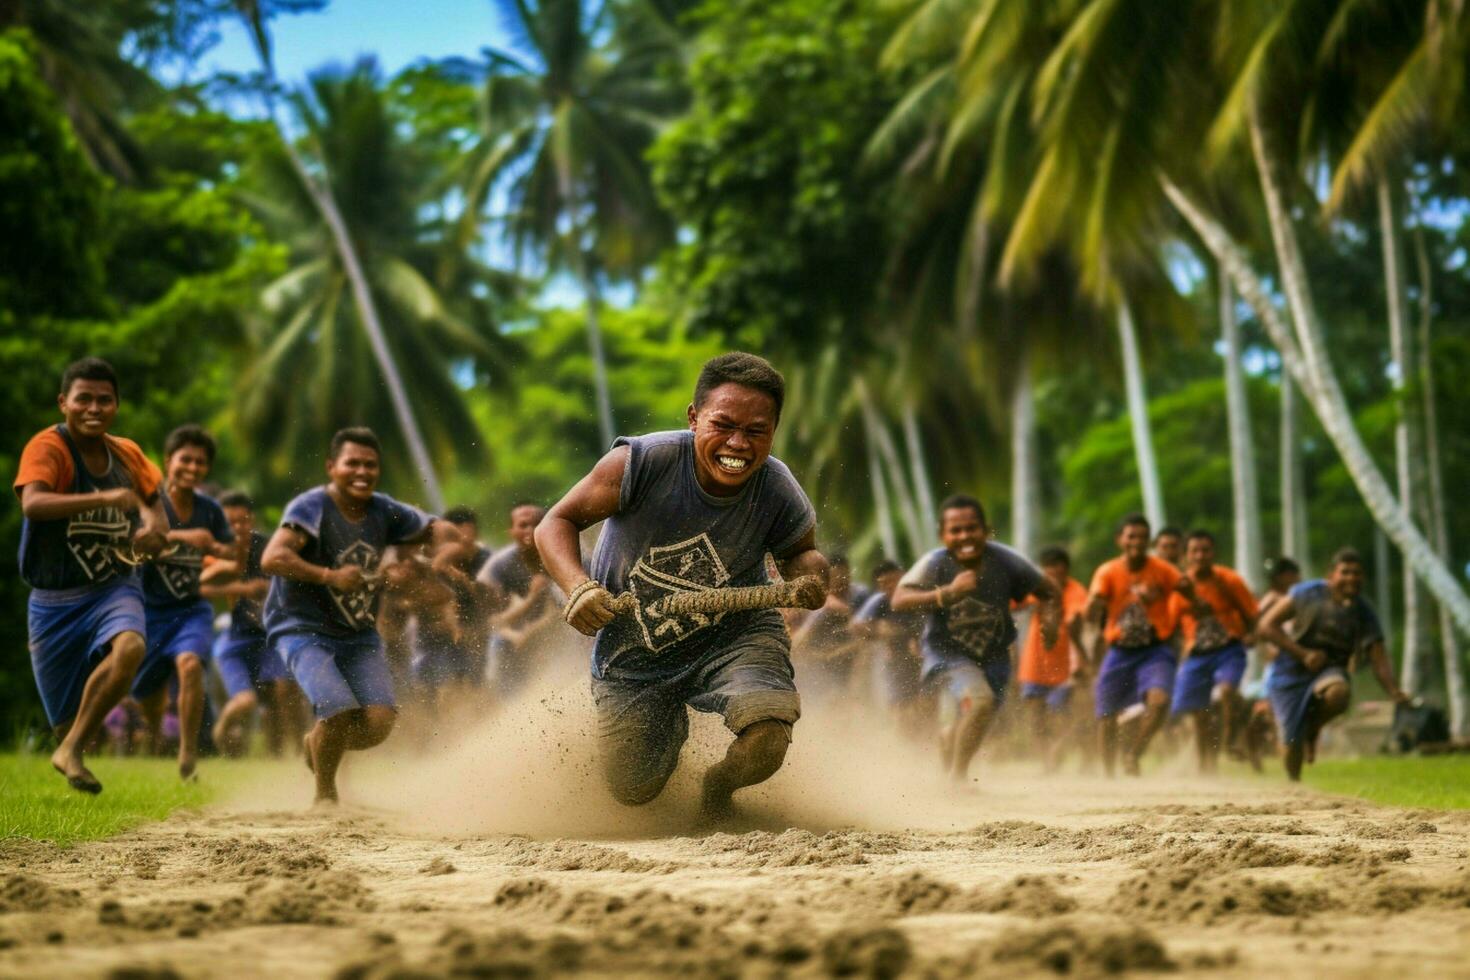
x=357 y=604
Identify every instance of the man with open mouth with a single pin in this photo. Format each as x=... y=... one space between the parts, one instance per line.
x=689 y=511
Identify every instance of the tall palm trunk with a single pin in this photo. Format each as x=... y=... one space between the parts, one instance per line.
x=919 y=467
x=1143 y=441
x=1454 y=667
x=1294 y=537
x=602 y=397
x=1024 y=480
x=882 y=504
x=1309 y=368
x=1244 y=491
x=321 y=196
x=1406 y=457
x=1383 y=594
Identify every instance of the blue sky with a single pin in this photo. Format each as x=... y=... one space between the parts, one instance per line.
x=398 y=32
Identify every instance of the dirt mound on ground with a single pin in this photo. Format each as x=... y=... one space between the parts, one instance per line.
x=565 y=855
x=320 y=899
x=25 y=893
x=1344 y=855
x=255 y=858
x=1163 y=896
x=1065 y=949
x=1233 y=854
x=799 y=848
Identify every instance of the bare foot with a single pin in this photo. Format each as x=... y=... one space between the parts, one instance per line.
x=186 y=769
x=78 y=776
x=1130 y=764
x=324 y=801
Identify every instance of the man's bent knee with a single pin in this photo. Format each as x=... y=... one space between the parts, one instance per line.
x=190 y=668
x=377 y=722
x=127 y=652
x=1156 y=697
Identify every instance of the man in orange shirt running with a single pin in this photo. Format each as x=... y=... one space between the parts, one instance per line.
x=1222 y=614
x=1130 y=601
x=1047 y=673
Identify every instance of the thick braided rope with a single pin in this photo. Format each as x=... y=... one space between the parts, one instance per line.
x=777 y=595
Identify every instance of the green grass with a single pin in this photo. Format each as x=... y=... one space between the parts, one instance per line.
x=35 y=802
x=1439 y=782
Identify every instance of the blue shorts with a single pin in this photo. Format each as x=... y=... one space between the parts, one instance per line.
x=337 y=673
x=70 y=633
x=1056 y=696
x=173 y=630
x=642 y=723
x=438 y=660
x=961 y=683
x=246 y=662
x=1127 y=674
x=1291 y=692
x=1201 y=673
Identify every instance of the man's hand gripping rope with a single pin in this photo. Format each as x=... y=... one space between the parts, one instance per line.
x=590 y=607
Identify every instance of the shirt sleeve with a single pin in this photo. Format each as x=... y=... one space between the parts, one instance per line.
x=646 y=459
x=1102 y=583
x=305 y=514
x=147 y=477
x=45 y=460
x=924 y=574
x=795 y=515
x=405 y=522
x=1372 y=628
x=1243 y=597
x=1025 y=577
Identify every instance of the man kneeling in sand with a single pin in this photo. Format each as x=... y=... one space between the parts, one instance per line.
x=688 y=511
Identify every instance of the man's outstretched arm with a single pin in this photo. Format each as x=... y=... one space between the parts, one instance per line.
x=593 y=499
x=804 y=559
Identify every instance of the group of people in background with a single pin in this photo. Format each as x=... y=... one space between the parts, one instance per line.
x=357 y=604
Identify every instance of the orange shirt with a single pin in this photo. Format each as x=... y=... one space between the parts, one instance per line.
x=1227 y=594
x=46 y=459
x=1040 y=665
x=1115 y=581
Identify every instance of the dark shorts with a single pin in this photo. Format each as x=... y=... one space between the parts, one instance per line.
x=70 y=633
x=1291 y=692
x=1127 y=674
x=960 y=684
x=247 y=662
x=338 y=674
x=173 y=630
x=1056 y=696
x=642 y=723
x=438 y=660
x=1201 y=673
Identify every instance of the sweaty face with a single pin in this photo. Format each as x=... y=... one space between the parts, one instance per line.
x=354 y=471
x=89 y=407
x=188 y=466
x=733 y=430
x=1346 y=579
x=523 y=521
x=1169 y=548
x=1133 y=541
x=242 y=521
x=962 y=532
x=1200 y=554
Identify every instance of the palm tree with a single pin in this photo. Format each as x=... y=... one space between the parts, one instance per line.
x=315 y=183
x=1244 y=490
x=316 y=359
x=567 y=118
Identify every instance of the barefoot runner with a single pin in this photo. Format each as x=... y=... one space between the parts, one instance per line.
x=1049 y=674
x=688 y=511
x=79 y=489
x=1330 y=621
x=248 y=665
x=1215 y=626
x=321 y=611
x=1130 y=602
x=180 y=621
x=967 y=588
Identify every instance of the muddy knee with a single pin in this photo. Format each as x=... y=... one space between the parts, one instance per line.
x=765 y=743
x=377 y=722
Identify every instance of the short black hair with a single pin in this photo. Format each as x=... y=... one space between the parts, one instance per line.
x=89 y=369
x=886 y=566
x=1282 y=565
x=1199 y=533
x=462 y=515
x=1132 y=520
x=1169 y=531
x=747 y=370
x=189 y=435
x=525 y=503
x=237 y=498
x=962 y=501
x=359 y=435
x=1054 y=555
x=1346 y=556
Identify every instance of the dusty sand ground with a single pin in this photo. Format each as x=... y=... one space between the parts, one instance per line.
x=502 y=857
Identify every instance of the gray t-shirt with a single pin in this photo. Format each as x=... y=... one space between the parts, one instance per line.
x=670 y=536
x=979 y=625
x=510 y=573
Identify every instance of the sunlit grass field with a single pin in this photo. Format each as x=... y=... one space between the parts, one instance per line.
x=35 y=803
